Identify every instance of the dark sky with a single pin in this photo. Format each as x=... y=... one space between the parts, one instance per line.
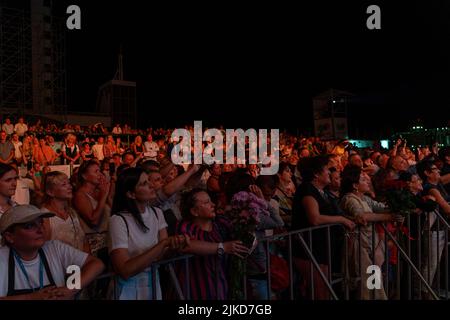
x=231 y=62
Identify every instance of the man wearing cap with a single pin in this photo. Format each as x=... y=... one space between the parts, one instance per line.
x=32 y=268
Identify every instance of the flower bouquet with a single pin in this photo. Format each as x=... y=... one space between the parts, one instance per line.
x=245 y=213
x=400 y=200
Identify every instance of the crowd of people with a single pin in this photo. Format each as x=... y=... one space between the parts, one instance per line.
x=126 y=206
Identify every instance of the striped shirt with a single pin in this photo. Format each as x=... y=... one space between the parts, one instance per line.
x=208 y=273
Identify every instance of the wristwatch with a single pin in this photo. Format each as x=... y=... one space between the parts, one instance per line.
x=220 y=249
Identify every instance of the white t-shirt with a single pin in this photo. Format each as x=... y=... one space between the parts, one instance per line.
x=97 y=150
x=20 y=129
x=117 y=130
x=22 y=195
x=8 y=128
x=136 y=241
x=17 y=153
x=59 y=257
x=151 y=148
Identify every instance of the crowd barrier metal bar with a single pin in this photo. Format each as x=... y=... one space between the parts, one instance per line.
x=409 y=261
x=408 y=224
x=308 y=251
x=269 y=281
x=440 y=219
x=419 y=253
x=373 y=257
x=291 y=269
x=398 y=278
x=311 y=263
x=316 y=265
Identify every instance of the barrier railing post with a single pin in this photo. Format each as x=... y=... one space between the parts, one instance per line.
x=291 y=273
x=311 y=267
x=373 y=257
x=446 y=263
x=360 y=280
x=438 y=260
x=398 y=279
x=317 y=266
x=410 y=262
x=346 y=268
x=329 y=255
x=419 y=254
x=269 y=282
x=386 y=262
x=408 y=223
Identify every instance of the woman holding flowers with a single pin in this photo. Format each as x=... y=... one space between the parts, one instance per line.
x=210 y=241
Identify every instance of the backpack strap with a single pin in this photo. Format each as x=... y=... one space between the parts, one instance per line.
x=153 y=209
x=124 y=220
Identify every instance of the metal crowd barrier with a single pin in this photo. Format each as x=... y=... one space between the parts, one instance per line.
x=416 y=274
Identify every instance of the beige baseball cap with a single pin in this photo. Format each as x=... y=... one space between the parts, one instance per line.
x=21 y=214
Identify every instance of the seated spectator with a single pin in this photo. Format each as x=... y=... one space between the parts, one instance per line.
x=138 y=237
x=25 y=246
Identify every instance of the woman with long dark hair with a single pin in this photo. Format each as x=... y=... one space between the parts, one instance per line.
x=138 y=236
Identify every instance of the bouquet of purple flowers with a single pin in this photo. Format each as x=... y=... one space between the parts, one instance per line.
x=245 y=215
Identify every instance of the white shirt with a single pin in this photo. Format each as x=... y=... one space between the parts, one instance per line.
x=136 y=241
x=59 y=257
x=8 y=128
x=117 y=130
x=20 y=129
x=97 y=150
x=17 y=145
x=151 y=148
x=22 y=195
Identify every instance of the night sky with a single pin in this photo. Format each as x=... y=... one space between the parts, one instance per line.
x=228 y=62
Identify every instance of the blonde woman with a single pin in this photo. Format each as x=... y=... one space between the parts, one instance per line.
x=70 y=150
x=65 y=225
x=109 y=147
x=138 y=147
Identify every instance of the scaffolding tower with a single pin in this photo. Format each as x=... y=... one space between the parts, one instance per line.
x=33 y=78
x=16 y=90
